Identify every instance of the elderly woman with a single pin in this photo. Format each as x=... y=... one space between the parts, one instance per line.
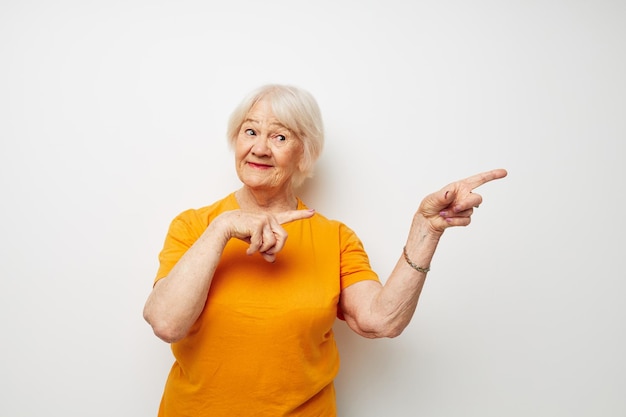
x=248 y=312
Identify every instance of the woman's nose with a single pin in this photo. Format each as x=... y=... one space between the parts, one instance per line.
x=261 y=146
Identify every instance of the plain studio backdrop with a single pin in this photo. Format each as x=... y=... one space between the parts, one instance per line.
x=112 y=121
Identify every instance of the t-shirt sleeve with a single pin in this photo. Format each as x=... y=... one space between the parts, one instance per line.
x=355 y=264
x=182 y=234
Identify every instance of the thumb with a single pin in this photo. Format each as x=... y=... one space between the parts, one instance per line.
x=437 y=201
x=448 y=195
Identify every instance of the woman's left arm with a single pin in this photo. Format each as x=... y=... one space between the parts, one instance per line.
x=373 y=310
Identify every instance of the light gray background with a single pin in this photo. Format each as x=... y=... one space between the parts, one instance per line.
x=112 y=121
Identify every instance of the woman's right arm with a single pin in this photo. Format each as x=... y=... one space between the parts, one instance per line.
x=177 y=300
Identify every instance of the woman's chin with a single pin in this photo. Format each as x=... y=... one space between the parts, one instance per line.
x=263 y=183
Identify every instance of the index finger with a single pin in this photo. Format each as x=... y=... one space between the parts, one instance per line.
x=293 y=215
x=477 y=180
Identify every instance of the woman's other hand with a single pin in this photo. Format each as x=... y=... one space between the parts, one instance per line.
x=454 y=204
x=374 y=310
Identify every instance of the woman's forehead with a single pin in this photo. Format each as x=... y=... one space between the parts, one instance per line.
x=262 y=113
x=271 y=123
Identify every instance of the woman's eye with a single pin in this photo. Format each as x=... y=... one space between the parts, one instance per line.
x=249 y=132
x=281 y=138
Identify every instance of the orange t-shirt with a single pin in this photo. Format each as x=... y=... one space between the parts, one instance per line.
x=263 y=345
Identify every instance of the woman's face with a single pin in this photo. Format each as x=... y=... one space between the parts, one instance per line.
x=267 y=154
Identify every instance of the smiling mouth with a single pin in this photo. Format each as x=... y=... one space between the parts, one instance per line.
x=258 y=166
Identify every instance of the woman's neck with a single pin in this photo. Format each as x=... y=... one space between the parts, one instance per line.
x=262 y=200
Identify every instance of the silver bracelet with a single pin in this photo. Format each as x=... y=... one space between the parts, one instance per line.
x=412 y=265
